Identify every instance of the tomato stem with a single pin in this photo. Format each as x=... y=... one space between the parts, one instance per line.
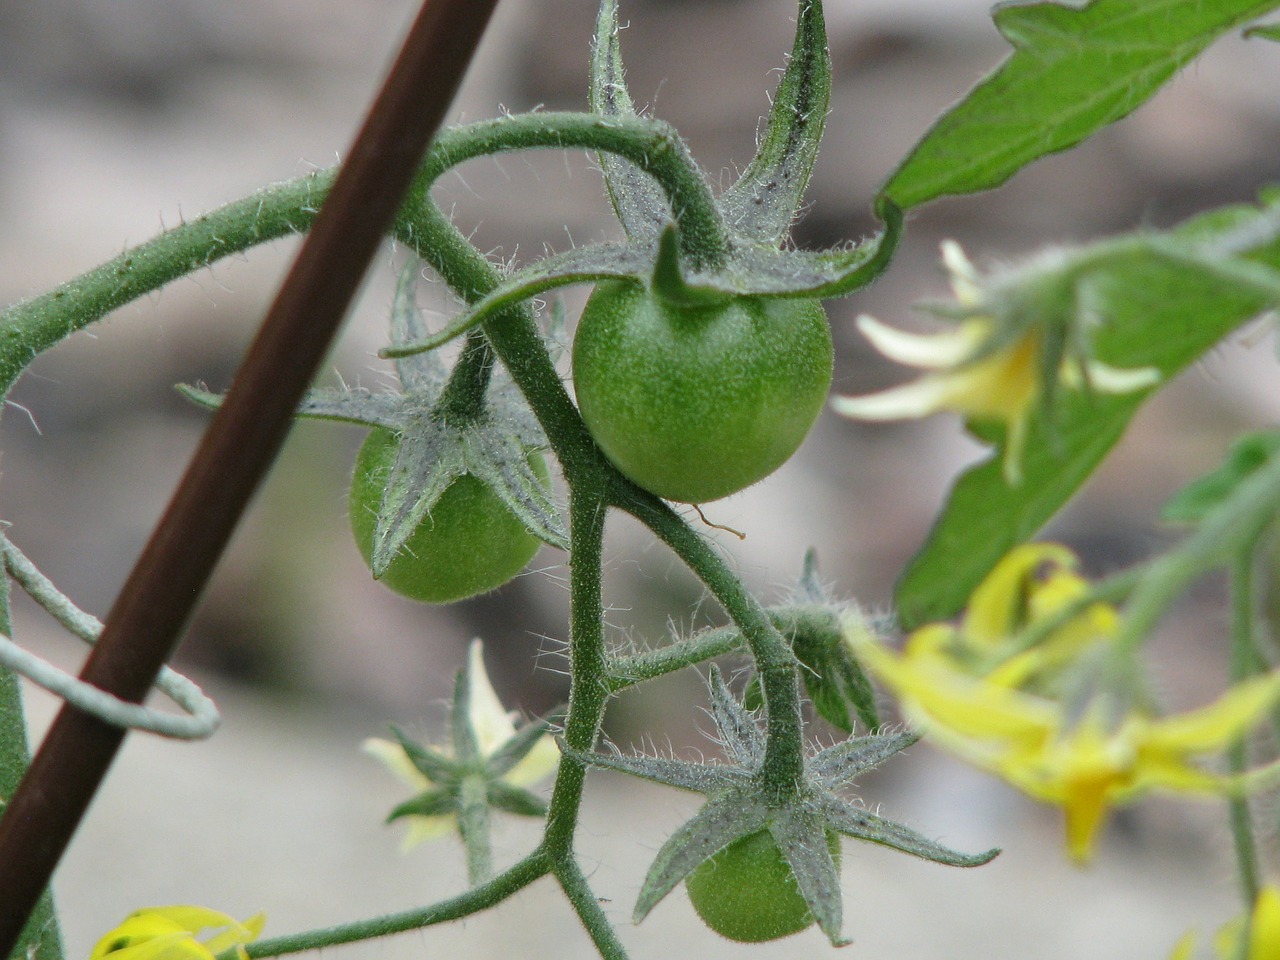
x=462 y=399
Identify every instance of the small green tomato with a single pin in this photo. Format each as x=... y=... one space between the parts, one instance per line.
x=694 y=403
x=747 y=892
x=470 y=542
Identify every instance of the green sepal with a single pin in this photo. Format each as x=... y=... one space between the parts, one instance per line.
x=355 y=405
x=587 y=264
x=502 y=760
x=512 y=799
x=722 y=820
x=802 y=838
x=641 y=206
x=761 y=205
x=681 y=774
x=435 y=766
x=1196 y=500
x=429 y=803
x=466 y=748
x=864 y=825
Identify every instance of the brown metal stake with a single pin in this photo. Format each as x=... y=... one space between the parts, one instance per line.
x=155 y=604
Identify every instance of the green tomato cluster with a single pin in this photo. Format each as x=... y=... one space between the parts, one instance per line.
x=694 y=403
x=747 y=891
x=470 y=542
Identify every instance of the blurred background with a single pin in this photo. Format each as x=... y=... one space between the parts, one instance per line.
x=118 y=119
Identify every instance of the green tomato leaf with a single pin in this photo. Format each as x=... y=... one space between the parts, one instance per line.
x=1074 y=70
x=762 y=203
x=1194 y=501
x=1166 y=299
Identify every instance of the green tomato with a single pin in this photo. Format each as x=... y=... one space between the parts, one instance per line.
x=747 y=892
x=469 y=544
x=696 y=403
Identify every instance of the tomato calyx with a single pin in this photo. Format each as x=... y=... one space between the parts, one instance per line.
x=487 y=764
x=742 y=251
x=474 y=423
x=798 y=817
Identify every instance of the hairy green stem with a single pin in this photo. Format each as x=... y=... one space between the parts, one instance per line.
x=584 y=901
x=588 y=691
x=31 y=326
x=463 y=396
x=783 y=765
x=473 y=824
x=628 y=671
x=651 y=145
x=487 y=895
x=636 y=668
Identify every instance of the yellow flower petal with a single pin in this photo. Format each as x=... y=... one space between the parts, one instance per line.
x=1108 y=379
x=1217 y=725
x=1002 y=605
x=965 y=283
x=926 y=351
x=1184 y=948
x=1264 y=934
x=169 y=933
x=910 y=401
x=491 y=723
x=393 y=757
x=538 y=763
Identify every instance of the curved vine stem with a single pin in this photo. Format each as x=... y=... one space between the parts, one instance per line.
x=510 y=881
x=652 y=145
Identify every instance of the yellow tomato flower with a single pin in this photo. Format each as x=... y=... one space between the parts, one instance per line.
x=968 y=370
x=1031 y=584
x=492 y=727
x=169 y=933
x=1263 y=932
x=1083 y=760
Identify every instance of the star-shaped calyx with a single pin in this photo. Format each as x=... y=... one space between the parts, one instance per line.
x=799 y=819
x=473 y=421
x=486 y=765
x=736 y=244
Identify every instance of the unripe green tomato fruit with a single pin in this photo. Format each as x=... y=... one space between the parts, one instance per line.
x=747 y=892
x=696 y=403
x=470 y=542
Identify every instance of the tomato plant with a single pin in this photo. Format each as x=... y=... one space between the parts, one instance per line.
x=694 y=403
x=469 y=544
x=747 y=892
